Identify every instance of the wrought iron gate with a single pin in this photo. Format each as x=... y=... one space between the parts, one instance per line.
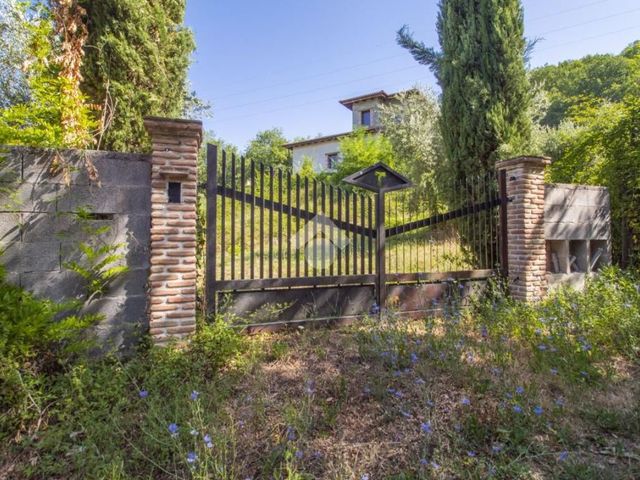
x=272 y=230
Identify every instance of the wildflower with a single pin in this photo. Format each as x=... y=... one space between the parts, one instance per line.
x=310 y=387
x=517 y=409
x=586 y=347
x=465 y=401
x=425 y=427
x=538 y=331
x=496 y=448
x=519 y=390
x=457 y=427
x=398 y=394
x=192 y=457
x=405 y=414
x=420 y=381
x=554 y=371
x=484 y=331
x=542 y=347
x=207 y=441
x=299 y=454
x=538 y=410
x=414 y=357
x=194 y=432
x=560 y=402
x=471 y=454
x=508 y=396
x=563 y=456
x=584 y=374
x=375 y=309
x=365 y=476
x=291 y=434
x=194 y=395
x=430 y=403
x=424 y=462
x=366 y=390
x=173 y=429
x=434 y=465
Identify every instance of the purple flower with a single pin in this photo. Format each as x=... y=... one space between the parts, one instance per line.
x=424 y=462
x=192 y=457
x=517 y=409
x=420 y=381
x=519 y=390
x=173 y=429
x=484 y=332
x=554 y=371
x=563 y=456
x=471 y=453
x=434 y=465
x=465 y=401
x=538 y=410
x=430 y=403
x=291 y=434
x=299 y=454
x=143 y=393
x=496 y=448
x=194 y=395
x=364 y=476
x=560 y=402
x=414 y=357
x=542 y=347
x=425 y=427
x=405 y=414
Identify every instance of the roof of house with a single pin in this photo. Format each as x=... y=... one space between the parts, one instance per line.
x=348 y=102
x=325 y=139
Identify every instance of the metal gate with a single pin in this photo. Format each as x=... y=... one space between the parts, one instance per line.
x=270 y=230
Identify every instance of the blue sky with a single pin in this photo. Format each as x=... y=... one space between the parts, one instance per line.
x=286 y=63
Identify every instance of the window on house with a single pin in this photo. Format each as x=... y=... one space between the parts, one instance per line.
x=332 y=161
x=365 y=118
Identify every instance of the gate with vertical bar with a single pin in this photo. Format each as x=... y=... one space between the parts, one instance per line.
x=281 y=247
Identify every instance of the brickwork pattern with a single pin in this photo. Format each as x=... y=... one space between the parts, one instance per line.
x=172 y=278
x=526 y=227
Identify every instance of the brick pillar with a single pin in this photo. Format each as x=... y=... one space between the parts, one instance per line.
x=172 y=279
x=527 y=255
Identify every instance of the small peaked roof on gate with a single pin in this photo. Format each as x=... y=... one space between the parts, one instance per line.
x=378 y=178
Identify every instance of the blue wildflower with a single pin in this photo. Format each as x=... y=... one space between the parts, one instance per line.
x=508 y=396
x=563 y=456
x=299 y=454
x=425 y=427
x=560 y=402
x=365 y=476
x=173 y=429
x=465 y=401
x=484 y=331
x=420 y=381
x=471 y=454
x=517 y=409
x=291 y=434
x=414 y=357
x=192 y=457
x=194 y=395
x=584 y=374
x=143 y=393
x=542 y=347
x=519 y=390
x=424 y=462
x=554 y=371
x=375 y=309
x=496 y=448
x=538 y=410
x=434 y=465
x=431 y=403
x=405 y=414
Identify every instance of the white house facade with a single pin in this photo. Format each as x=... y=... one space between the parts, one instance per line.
x=324 y=152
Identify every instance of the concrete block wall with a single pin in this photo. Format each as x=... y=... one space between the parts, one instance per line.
x=40 y=229
x=577 y=232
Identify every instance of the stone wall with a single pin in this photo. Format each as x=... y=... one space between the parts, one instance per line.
x=40 y=229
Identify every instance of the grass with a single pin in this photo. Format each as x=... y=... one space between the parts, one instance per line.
x=501 y=390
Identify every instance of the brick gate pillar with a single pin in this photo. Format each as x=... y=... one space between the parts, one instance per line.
x=172 y=278
x=527 y=258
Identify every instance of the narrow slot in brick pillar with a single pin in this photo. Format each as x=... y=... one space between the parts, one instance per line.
x=527 y=254
x=172 y=278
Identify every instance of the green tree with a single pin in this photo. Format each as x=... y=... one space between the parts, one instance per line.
x=136 y=63
x=593 y=79
x=412 y=126
x=481 y=69
x=360 y=150
x=54 y=113
x=14 y=39
x=268 y=147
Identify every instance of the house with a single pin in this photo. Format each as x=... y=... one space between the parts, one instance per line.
x=324 y=152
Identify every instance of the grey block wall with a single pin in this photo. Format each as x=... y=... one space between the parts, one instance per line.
x=40 y=229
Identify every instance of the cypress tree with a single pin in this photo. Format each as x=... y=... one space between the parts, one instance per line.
x=481 y=70
x=137 y=57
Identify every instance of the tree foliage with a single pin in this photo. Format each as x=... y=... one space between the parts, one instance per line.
x=360 y=150
x=137 y=57
x=594 y=79
x=481 y=69
x=412 y=126
x=268 y=147
x=54 y=113
x=14 y=39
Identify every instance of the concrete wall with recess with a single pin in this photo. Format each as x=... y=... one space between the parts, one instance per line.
x=577 y=221
x=40 y=229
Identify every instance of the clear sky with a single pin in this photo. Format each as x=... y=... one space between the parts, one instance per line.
x=286 y=63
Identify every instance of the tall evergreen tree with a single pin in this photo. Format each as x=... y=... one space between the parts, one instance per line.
x=481 y=70
x=137 y=57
